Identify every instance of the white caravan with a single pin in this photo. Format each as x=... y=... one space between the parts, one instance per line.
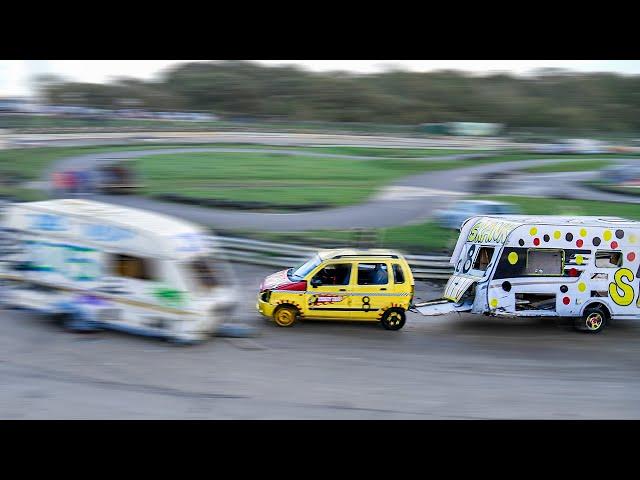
x=96 y=265
x=587 y=268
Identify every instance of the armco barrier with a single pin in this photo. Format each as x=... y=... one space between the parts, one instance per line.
x=244 y=250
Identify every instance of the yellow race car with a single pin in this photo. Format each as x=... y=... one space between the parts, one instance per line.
x=364 y=285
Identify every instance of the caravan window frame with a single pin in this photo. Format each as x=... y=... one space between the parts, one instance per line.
x=562 y=265
x=477 y=255
x=595 y=258
x=149 y=264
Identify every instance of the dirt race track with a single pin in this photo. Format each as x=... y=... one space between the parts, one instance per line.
x=450 y=367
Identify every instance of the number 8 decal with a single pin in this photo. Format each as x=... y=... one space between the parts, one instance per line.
x=467 y=263
x=366 y=306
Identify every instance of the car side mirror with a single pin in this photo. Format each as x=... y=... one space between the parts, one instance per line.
x=316 y=282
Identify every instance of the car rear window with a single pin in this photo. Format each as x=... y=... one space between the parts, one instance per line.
x=398 y=274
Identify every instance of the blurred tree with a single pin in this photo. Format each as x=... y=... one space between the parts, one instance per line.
x=549 y=98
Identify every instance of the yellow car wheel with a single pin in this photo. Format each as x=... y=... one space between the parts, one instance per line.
x=285 y=316
x=393 y=319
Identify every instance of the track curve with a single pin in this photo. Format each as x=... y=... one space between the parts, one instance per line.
x=416 y=197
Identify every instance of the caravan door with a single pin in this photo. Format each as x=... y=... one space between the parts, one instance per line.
x=473 y=268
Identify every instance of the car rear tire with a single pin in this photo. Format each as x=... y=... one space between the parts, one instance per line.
x=393 y=319
x=285 y=316
x=593 y=320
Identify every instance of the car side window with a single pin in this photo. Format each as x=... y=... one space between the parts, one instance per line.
x=373 y=274
x=334 y=274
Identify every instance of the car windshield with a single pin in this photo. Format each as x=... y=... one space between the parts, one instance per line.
x=304 y=269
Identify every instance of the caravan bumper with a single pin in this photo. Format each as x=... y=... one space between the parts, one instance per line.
x=441 y=306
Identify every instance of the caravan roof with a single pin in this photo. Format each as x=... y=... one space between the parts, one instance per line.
x=130 y=229
x=594 y=221
x=496 y=229
x=132 y=218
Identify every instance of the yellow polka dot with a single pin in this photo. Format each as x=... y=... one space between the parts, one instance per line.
x=632 y=238
x=583 y=232
x=607 y=235
x=557 y=234
x=533 y=231
x=582 y=286
x=513 y=258
x=494 y=302
x=579 y=259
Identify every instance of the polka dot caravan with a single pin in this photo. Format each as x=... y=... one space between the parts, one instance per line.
x=595 y=240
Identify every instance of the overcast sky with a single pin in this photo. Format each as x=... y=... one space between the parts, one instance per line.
x=15 y=75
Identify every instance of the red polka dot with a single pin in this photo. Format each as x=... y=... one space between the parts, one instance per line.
x=536 y=241
x=631 y=256
x=566 y=300
x=614 y=245
x=579 y=242
x=573 y=272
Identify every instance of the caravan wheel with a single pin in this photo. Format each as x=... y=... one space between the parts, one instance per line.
x=75 y=322
x=593 y=320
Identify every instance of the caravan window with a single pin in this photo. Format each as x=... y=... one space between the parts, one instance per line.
x=204 y=272
x=483 y=258
x=524 y=262
x=608 y=259
x=131 y=267
x=544 y=262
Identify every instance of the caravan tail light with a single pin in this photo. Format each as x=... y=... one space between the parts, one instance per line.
x=300 y=286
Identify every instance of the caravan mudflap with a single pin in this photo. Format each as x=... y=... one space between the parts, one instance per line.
x=441 y=306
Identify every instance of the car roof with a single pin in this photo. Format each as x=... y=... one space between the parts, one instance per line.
x=358 y=254
x=483 y=202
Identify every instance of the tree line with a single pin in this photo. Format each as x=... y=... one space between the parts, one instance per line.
x=239 y=89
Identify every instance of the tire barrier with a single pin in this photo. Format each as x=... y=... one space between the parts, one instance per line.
x=240 y=205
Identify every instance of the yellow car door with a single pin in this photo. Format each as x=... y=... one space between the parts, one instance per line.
x=371 y=290
x=328 y=291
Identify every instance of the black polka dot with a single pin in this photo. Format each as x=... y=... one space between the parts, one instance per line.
x=521 y=242
x=546 y=238
x=564 y=289
x=619 y=234
x=506 y=286
x=569 y=237
x=596 y=241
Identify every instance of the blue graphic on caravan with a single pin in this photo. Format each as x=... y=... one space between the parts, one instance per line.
x=190 y=242
x=48 y=222
x=107 y=233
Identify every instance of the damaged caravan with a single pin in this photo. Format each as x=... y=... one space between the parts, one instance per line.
x=585 y=268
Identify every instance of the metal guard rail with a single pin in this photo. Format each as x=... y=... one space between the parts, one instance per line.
x=257 y=252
